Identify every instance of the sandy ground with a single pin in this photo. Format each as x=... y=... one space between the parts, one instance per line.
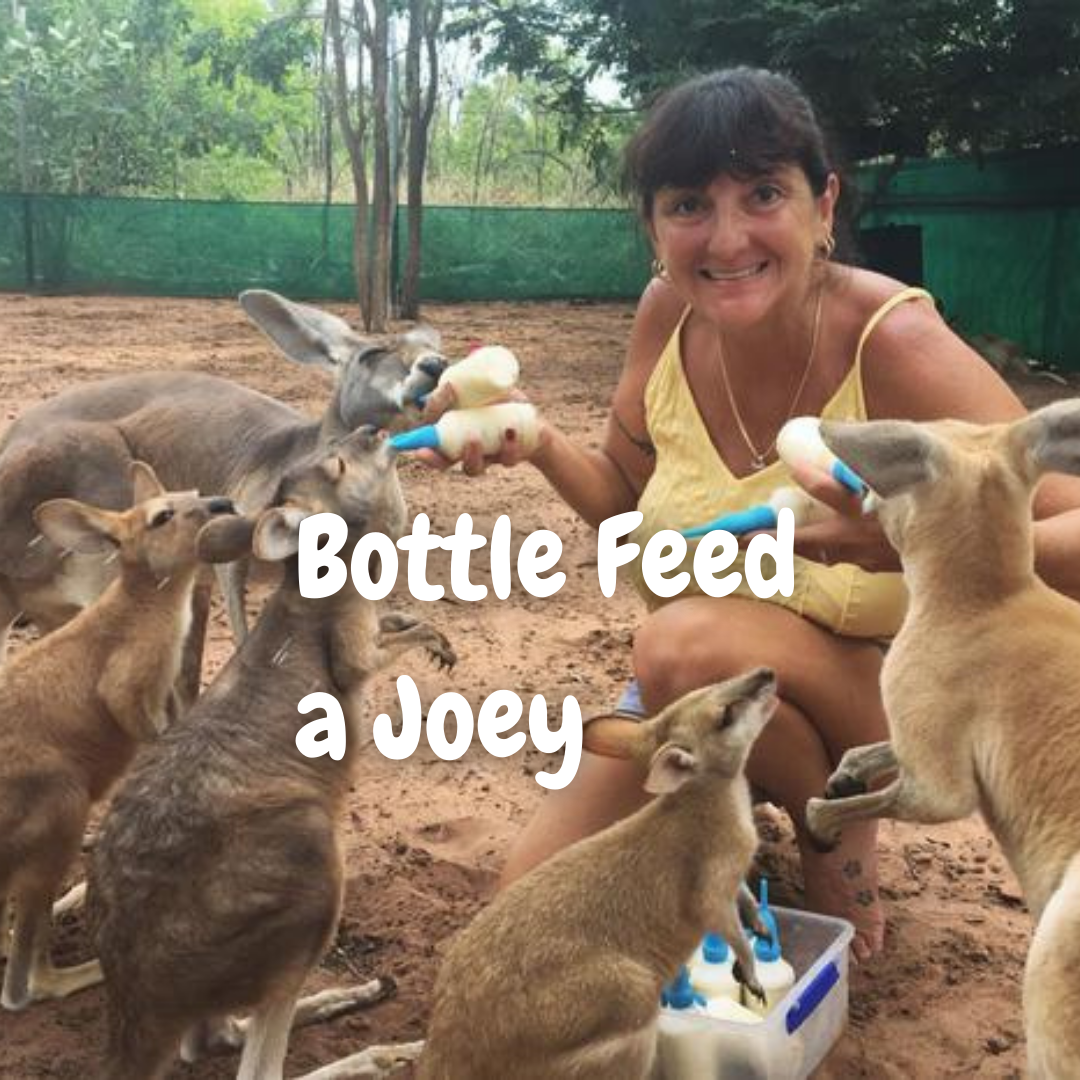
x=426 y=838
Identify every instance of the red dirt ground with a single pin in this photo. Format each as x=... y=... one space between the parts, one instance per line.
x=427 y=837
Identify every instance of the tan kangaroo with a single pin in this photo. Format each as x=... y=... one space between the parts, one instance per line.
x=560 y=977
x=74 y=705
x=980 y=683
x=217 y=879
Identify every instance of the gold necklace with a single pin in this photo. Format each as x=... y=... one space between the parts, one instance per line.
x=760 y=458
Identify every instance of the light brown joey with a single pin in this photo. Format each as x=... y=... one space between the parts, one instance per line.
x=216 y=882
x=197 y=431
x=980 y=683
x=560 y=976
x=74 y=705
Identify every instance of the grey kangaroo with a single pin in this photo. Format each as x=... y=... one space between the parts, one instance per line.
x=217 y=879
x=198 y=432
x=980 y=683
x=74 y=705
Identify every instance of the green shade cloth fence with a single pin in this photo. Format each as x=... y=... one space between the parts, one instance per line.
x=997 y=243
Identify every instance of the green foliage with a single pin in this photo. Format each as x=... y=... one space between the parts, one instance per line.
x=126 y=96
x=894 y=76
x=500 y=144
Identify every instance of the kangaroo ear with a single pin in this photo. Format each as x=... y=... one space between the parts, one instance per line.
x=303 y=333
x=611 y=736
x=1051 y=437
x=423 y=336
x=277 y=533
x=670 y=768
x=74 y=526
x=225 y=539
x=890 y=455
x=147 y=484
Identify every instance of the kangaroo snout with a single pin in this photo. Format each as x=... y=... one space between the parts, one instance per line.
x=759 y=683
x=220 y=505
x=432 y=366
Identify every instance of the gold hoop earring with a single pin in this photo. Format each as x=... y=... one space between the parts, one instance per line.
x=659 y=270
x=827 y=246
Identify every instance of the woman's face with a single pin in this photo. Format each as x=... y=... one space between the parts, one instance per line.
x=742 y=250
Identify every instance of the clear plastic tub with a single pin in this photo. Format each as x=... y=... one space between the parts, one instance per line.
x=791 y=1041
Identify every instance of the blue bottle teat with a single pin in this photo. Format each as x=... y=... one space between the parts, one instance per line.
x=679 y=994
x=714 y=949
x=421 y=438
x=737 y=522
x=847 y=476
x=766 y=949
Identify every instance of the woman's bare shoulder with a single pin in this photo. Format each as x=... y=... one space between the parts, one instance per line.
x=658 y=313
x=915 y=366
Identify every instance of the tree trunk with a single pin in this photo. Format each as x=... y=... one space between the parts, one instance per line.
x=354 y=132
x=382 y=193
x=425 y=18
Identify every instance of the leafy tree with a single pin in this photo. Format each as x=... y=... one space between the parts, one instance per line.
x=148 y=96
x=71 y=108
x=894 y=76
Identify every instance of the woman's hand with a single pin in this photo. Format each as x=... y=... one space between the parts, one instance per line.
x=845 y=536
x=474 y=462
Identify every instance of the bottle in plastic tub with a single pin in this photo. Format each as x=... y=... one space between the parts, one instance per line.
x=680 y=995
x=712 y=970
x=690 y=1047
x=489 y=424
x=487 y=374
x=774 y=973
x=724 y=1008
x=800 y=441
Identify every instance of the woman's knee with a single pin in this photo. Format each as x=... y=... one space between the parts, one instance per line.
x=604 y=791
x=690 y=643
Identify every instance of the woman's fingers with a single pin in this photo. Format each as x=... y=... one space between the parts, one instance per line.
x=442 y=398
x=849 y=540
x=825 y=489
x=473 y=462
x=432 y=459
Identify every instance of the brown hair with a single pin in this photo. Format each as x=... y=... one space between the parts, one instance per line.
x=741 y=121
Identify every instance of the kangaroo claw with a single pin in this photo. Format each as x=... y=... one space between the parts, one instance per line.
x=749 y=981
x=843 y=785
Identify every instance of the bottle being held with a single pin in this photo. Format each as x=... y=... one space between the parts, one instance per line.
x=804 y=507
x=486 y=375
x=800 y=442
x=450 y=433
x=712 y=970
x=774 y=973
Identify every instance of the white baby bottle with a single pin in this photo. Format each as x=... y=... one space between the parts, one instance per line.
x=712 y=970
x=487 y=374
x=731 y=1011
x=489 y=424
x=774 y=973
x=800 y=441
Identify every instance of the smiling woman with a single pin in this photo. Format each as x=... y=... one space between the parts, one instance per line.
x=750 y=319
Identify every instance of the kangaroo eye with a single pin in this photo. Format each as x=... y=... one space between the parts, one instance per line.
x=161 y=518
x=726 y=718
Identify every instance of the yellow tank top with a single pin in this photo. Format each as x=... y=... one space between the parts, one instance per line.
x=691 y=484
